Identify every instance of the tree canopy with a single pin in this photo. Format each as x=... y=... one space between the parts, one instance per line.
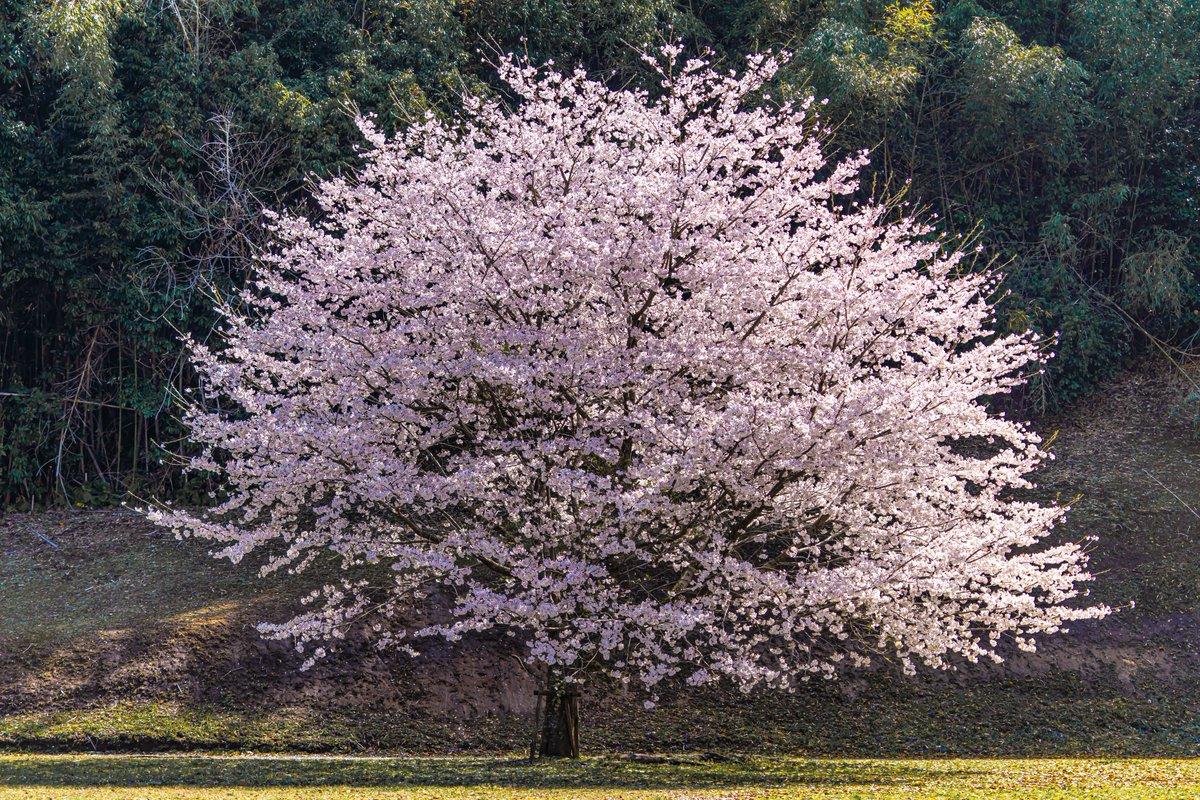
x=633 y=378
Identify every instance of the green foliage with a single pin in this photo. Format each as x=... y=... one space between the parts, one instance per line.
x=1019 y=98
x=868 y=66
x=74 y=36
x=1157 y=281
x=140 y=139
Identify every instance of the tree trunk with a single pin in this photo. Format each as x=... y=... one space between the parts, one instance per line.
x=560 y=720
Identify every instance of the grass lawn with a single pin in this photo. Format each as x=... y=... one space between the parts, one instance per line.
x=208 y=777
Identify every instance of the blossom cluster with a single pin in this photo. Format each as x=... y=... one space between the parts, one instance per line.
x=635 y=378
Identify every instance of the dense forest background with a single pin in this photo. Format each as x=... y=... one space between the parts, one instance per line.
x=140 y=139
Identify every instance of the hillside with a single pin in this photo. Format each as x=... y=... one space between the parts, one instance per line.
x=113 y=636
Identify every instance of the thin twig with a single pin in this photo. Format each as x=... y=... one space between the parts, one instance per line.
x=1168 y=488
x=46 y=539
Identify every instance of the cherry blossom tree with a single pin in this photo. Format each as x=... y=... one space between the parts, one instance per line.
x=632 y=378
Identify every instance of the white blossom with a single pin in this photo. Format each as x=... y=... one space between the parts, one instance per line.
x=634 y=378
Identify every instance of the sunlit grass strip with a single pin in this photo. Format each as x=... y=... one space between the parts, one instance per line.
x=209 y=777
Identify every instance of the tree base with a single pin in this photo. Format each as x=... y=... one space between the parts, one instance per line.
x=559 y=724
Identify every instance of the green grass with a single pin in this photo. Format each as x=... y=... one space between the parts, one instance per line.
x=1026 y=718
x=158 y=726
x=107 y=575
x=41 y=777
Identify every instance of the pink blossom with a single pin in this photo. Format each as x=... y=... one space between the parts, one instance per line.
x=635 y=379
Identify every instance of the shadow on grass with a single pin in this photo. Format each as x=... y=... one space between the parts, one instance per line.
x=601 y=773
